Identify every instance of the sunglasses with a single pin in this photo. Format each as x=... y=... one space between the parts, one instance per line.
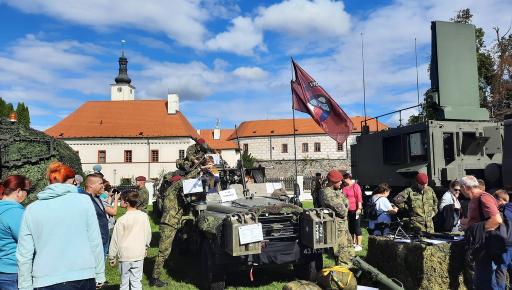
x=456 y=189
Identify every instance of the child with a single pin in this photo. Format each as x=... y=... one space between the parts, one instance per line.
x=505 y=208
x=130 y=239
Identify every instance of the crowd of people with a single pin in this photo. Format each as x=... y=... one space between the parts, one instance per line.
x=484 y=218
x=61 y=240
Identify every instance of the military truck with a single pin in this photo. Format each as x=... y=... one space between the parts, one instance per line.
x=459 y=140
x=28 y=152
x=238 y=230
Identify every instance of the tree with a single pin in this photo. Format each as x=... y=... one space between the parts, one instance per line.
x=501 y=90
x=248 y=160
x=23 y=115
x=5 y=108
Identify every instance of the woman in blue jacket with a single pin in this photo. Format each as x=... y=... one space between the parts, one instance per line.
x=13 y=190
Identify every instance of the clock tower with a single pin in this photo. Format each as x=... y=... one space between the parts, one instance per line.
x=122 y=90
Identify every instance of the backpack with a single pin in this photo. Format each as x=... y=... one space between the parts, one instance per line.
x=371 y=209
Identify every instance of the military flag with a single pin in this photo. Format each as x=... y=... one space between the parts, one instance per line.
x=309 y=97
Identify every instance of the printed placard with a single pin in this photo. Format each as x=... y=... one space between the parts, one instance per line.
x=228 y=195
x=192 y=185
x=250 y=233
x=271 y=186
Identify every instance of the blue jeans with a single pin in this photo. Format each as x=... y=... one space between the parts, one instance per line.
x=86 y=284
x=485 y=278
x=501 y=270
x=9 y=281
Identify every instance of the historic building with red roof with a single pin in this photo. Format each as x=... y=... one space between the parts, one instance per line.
x=127 y=137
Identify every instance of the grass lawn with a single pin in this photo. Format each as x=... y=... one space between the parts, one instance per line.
x=182 y=272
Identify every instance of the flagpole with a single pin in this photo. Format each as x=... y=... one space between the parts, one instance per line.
x=296 y=184
x=364 y=83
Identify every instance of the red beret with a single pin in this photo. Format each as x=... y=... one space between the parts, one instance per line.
x=175 y=178
x=200 y=141
x=140 y=178
x=334 y=176
x=422 y=178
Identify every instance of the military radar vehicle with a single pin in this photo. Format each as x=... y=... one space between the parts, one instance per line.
x=28 y=152
x=460 y=140
x=240 y=229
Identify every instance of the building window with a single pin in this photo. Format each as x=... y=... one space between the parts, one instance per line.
x=102 y=156
x=119 y=89
x=154 y=156
x=128 y=156
x=181 y=154
x=284 y=148
x=305 y=147
x=340 y=146
x=246 y=147
x=317 y=147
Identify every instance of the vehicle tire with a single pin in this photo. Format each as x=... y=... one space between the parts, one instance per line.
x=308 y=269
x=212 y=277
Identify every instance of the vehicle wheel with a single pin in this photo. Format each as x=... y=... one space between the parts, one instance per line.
x=308 y=269
x=212 y=278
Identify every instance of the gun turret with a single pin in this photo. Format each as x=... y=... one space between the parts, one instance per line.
x=376 y=275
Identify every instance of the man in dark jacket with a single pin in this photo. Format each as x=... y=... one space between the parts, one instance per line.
x=94 y=187
x=505 y=208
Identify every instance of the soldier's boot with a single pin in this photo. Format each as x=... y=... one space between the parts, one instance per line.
x=156 y=282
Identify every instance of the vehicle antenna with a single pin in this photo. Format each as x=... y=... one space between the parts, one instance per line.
x=417 y=77
x=241 y=162
x=364 y=83
x=296 y=190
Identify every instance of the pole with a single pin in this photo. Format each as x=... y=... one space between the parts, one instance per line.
x=364 y=83
x=417 y=77
x=241 y=161
x=296 y=190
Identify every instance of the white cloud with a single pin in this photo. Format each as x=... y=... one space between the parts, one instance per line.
x=305 y=19
x=180 y=20
x=250 y=73
x=243 y=37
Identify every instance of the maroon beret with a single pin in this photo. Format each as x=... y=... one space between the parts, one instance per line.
x=176 y=178
x=200 y=141
x=422 y=178
x=140 y=178
x=334 y=176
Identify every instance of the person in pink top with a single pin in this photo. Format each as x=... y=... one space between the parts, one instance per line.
x=355 y=206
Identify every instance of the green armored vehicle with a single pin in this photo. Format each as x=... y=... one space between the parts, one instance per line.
x=460 y=140
x=238 y=230
x=28 y=152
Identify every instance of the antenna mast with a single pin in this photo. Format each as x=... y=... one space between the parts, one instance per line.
x=417 y=78
x=364 y=83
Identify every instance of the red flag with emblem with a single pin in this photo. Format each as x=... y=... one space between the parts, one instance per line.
x=309 y=97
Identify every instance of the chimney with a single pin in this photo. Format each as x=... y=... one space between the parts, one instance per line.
x=173 y=103
x=216 y=131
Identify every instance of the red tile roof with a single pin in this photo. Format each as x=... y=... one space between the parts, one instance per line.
x=283 y=127
x=222 y=143
x=139 y=118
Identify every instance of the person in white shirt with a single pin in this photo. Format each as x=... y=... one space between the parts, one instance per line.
x=450 y=208
x=385 y=209
x=130 y=239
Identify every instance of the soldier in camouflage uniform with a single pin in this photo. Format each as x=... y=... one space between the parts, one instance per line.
x=420 y=202
x=143 y=194
x=333 y=198
x=169 y=224
x=195 y=153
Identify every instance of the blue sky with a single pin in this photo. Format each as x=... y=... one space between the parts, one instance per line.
x=226 y=59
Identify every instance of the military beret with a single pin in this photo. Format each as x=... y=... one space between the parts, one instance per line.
x=422 y=178
x=200 y=141
x=334 y=176
x=140 y=178
x=176 y=178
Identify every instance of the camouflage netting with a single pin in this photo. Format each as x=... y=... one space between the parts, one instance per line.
x=28 y=152
x=210 y=224
x=276 y=209
x=417 y=265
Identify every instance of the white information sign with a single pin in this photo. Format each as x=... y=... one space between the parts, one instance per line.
x=271 y=186
x=250 y=233
x=192 y=185
x=228 y=195
x=216 y=158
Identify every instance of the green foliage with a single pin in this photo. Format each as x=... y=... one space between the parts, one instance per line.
x=248 y=160
x=125 y=181
x=5 y=108
x=23 y=115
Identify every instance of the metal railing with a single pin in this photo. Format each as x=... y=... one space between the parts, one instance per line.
x=376 y=118
x=289 y=181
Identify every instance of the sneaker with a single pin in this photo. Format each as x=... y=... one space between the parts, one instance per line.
x=358 y=248
x=156 y=282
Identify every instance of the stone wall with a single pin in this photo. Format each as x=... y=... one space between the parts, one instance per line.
x=306 y=167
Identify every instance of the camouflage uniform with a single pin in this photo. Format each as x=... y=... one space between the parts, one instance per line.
x=338 y=202
x=194 y=153
x=421 y=206
x=169 y=224
x=143 y=199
